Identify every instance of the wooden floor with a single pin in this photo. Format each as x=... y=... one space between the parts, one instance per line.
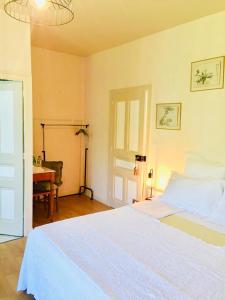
x=69 y=207
x=11 y=253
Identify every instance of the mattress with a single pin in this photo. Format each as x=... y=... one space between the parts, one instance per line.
x=120 y=254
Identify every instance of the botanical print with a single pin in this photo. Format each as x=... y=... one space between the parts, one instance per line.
x=202 y=77
x=207 y=74
x=165 y=120
x=168 y=116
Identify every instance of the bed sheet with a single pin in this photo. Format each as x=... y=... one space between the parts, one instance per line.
x=120 y=254
x=158 y=210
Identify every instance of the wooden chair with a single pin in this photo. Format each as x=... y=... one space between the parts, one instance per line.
x=42 y=189
x=41 y=193
x=57 y=166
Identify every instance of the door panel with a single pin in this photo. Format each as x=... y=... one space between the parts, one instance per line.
x=132 y=190
x=7 y=171
x=124 y=164
x=134 y=125
x=7 y=198
x=6 y=122
x=118 y=187
x=120 y=125
x=130 y=119
x=11 y=158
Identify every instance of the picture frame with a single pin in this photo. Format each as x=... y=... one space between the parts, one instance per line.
x=168 y=116
x=207 y=74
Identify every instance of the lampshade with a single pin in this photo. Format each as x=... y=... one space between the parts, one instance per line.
x=40 y=12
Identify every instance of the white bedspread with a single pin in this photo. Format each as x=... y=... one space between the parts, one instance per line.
x=156 y=208
x=120 y=254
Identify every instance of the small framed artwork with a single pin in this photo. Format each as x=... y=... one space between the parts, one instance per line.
x=168 y=116
x=207 y=74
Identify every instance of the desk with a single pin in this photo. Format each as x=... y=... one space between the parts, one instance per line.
x=44 y=174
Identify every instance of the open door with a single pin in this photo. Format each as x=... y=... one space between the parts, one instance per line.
x=11 y=158
x=129 y=129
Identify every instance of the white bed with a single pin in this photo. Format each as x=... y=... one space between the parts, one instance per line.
x=120 y=254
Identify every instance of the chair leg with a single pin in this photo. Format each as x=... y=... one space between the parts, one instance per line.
x=48 y=212
x=34 y=203
x=46 y=202
x=56 y=199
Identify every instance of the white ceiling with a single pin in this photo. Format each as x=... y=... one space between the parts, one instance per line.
x=103 y=24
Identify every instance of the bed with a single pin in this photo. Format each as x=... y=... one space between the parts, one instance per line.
x=120 y=254
x=133 y=252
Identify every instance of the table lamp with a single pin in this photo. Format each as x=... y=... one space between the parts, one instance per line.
x=148 y=183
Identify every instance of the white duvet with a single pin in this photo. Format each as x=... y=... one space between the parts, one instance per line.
x=120 y=254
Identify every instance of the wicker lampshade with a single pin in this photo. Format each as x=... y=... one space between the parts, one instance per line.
x=40 y=12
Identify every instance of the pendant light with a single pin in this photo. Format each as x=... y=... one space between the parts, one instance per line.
x=40 y=12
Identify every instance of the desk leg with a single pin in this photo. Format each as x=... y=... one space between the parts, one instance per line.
x=51 y=204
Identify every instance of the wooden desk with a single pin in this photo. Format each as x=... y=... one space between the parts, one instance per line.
x=44 y=174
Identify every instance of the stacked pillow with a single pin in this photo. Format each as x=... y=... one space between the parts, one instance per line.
x=200 y=190
x=198 y=167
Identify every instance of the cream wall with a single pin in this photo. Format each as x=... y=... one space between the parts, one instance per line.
x=15 y=64
x=58 y=97
x=163 y=61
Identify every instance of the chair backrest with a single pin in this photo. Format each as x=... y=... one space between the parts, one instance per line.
x=57 y=166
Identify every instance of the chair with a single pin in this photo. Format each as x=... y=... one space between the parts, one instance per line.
x=44 y=188
x=57 y=166
x=42 y=191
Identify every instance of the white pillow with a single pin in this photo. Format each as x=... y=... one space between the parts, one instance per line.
x=199 y=196
x=199 y=167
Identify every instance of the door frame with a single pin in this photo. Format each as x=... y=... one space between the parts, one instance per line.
x=28 y=147
x=146 y=134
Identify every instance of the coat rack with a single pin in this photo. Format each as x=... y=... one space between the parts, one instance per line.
x=83 y=188
x=43 y=125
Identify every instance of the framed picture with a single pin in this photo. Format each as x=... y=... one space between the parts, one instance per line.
x=207 y=74
x=168 y=116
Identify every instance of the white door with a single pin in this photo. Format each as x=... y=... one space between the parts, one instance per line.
x=130 y=123
x=11 y=158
